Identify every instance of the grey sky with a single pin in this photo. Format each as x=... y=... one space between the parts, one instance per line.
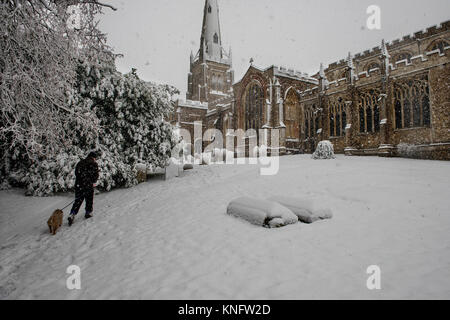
x=156 y=36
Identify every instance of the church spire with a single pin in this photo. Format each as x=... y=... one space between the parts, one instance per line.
x=211 y=39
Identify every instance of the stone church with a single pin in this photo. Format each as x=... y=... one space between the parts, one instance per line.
x=391 y=100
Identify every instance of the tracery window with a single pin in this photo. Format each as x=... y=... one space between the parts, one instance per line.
x=372 y=66
x=440 y=45
x=254 y=100
x=216 y=82
x=369 y=112
x=412 y=103
x=338 y=118
x=403 y=56
x=311 y=118
x=291 y=117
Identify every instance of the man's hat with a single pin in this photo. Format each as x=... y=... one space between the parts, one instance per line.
x=93 y=154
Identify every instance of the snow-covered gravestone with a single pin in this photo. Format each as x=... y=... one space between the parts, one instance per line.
x=306 y=210
x=325 y=150
x=261 y=212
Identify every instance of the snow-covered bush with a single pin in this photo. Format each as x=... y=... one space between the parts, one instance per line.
x=206 y=158
x=261 y=212
x=325 y=150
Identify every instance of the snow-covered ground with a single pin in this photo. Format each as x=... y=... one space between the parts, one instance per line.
x=174 y=240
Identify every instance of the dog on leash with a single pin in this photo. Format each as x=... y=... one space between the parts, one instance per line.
x=55 y=221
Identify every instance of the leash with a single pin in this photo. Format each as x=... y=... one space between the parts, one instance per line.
x=68 y=204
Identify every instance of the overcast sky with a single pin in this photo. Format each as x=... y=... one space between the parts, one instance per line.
x=156 y=36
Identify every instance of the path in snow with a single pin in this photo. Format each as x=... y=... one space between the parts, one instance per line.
x=174 y=240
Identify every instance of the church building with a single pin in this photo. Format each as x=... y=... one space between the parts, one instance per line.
x=391 y=100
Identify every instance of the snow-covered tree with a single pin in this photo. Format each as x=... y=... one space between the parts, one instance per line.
x=132 y=122
x=38 y=58
x=61 y=96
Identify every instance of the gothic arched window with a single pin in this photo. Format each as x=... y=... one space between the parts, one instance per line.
x=307 y=127
x=369 y=112
x=412 y=103
x=376 y=118
x=403 y=56
x=344 y=121
x=254 y=100
x=209 y=9
x=311 y=116
x=372 y=66
x=291 y=115
x=362 y=120
x=332 y=115
x=338 y=118
x=216 y=38
x=398 y=108
x=439 y=45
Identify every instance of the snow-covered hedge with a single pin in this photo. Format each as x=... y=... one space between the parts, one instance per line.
x=261 y=212
x=325 y=150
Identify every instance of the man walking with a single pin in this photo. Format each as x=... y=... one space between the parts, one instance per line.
x=86 y=173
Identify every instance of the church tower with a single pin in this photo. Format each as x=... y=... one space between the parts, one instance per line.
x=211 y=75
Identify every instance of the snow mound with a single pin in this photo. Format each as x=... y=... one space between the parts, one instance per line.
x=206 y=158
x=261 y=212
x=218 y=155
x=306 y=210
x=325 y=150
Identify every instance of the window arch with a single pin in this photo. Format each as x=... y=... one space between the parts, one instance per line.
x=311 y=117
x=439 y=45
x=216 y=38
x=291 y=115
x=403 y=56
x=412 y=103
x=369 y=112
x=254 y=100
x=209 y=9
x=338 y=117
x=332 y=122
x=372 y=65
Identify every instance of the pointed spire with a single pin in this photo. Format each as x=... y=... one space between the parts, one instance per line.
x=192 y=57
x=277 y=83
x=351 y=68
x=385 y=57
x=384 y=50
x=211 y=39
x=322 y=79
x=322 y=71
x=350 y=61
x=230 y=55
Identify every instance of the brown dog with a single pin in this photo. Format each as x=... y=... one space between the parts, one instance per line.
x=55 y=221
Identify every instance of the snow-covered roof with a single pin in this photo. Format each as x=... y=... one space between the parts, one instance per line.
x=192 y=104
x=294 y=74
x=286 y=73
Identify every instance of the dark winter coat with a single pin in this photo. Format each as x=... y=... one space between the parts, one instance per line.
x=86 y=173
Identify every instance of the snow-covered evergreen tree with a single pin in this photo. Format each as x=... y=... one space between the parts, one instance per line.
x=133 y=129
